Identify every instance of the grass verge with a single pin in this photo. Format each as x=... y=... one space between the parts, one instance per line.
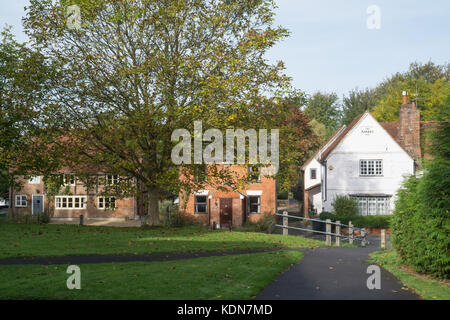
x=26 y=240
x=228 y=277
x=428 y=288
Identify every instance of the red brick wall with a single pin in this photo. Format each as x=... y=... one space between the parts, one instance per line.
x=125 y=207
x=409 y=130
x=268 y=201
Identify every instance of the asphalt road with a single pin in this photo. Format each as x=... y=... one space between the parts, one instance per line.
x=332 y=273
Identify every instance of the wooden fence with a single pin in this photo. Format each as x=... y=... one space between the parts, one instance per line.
x=351 y=237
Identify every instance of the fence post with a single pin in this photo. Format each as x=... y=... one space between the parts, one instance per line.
x=350 y=232
x=383 y=239
x=285 y=223
x=328 y=230
x=338 y=232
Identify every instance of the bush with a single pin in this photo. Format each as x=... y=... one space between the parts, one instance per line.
x=44 y=218
x=381 y=221
x=178 y=219
x=420 y=229
x=344 y=206
x=421 y=224
x=262 y=225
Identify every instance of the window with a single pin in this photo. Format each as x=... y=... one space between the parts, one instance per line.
x=107 y=203
x=112 y=179
x=254 y=173
x=313 y=174
x=21 y=201
x=70 y=202
x=254 y=204
x=68 y=179
x=371 y=206
x=200 y=204
x=34 y=180
x=371 y=167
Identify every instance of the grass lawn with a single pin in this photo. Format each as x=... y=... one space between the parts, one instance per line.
x=229 y=277
x=428 y=288
x=28 y=240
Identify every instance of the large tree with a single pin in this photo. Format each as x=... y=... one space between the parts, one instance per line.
x=428 y=86
x=135 y=71
x=357 y=102
x=24 y=83
x=325 y=108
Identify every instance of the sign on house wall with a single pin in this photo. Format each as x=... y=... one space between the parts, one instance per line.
x=367 y=130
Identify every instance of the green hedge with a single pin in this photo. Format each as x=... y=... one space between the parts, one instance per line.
x=421 y=222
x=420 y=230
x=381 y=221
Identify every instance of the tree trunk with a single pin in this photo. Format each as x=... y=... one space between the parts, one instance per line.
x=153 y=208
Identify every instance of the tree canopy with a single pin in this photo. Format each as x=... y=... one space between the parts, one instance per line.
x=134 y=71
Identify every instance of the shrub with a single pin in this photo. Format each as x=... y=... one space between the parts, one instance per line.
x=381 y=221
x=344 y=206
x=44 y=218
x=420 y=230
x=262 y=225
x=178 y=219
x=421 y=224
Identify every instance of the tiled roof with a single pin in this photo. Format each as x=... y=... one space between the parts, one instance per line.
x=338 y=140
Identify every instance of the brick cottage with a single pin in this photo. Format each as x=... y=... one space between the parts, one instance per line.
x=221 y=205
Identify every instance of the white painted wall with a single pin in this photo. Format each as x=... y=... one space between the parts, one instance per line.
x=313 y=164
x=367 y=140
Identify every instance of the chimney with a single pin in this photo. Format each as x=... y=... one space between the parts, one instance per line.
x=409 y=128
x=405 y=97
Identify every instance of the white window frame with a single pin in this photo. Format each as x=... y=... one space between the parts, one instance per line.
x=22 y=198
x=101 y=201
x=311 y=173
x=196 y=204
x=373 y=206
x=73 y=200
x=371 y=167
x=111 y=179
x=64 y=180
x=34 y=180
x=258 y=204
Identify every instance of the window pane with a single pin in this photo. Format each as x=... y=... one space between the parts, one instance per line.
x=372 y=206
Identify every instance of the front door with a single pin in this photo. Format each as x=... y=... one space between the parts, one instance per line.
x=38 y=204
x=226 y=211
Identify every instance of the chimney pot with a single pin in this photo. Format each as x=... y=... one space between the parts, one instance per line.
x=405 y=97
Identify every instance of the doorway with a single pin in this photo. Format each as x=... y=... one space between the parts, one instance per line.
x=37 y=204
x=226 y=211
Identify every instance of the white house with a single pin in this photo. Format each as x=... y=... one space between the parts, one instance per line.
x=366 y=160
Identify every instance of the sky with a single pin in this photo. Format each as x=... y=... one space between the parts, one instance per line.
x=331 y=48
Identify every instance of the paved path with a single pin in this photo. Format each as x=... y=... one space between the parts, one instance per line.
x=332 y=273
x=125 y=258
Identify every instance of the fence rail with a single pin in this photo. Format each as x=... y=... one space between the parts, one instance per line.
x=328 y=223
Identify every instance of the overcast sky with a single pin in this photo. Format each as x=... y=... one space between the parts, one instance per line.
x=331 y=47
